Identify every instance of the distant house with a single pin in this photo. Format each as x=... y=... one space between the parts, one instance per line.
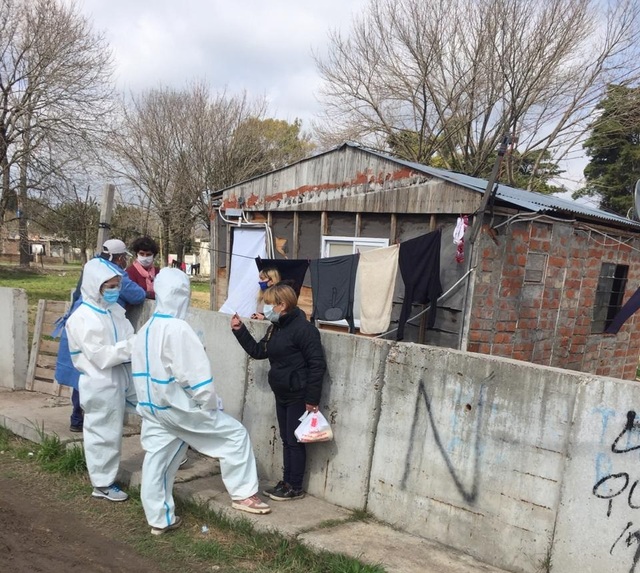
x=41 y=248
x=541 y=283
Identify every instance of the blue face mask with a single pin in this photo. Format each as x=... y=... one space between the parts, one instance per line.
x=270 y=314
x=111 y=295
x=264 y=285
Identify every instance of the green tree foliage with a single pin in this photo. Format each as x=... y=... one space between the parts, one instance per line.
x=269 y=144
x=614 y=150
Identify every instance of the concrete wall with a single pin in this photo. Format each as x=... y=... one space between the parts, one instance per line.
x=14 y=348
x=526 y=467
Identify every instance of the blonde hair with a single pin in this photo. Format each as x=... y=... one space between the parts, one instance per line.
x=281 y=294
x=271 y=274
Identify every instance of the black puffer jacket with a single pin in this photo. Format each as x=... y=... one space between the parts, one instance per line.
x=295 y=354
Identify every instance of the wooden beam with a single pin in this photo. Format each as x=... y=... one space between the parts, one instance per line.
x=296 y=234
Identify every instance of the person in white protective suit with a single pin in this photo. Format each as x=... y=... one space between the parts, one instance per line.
x=178 y=405
x=100 y=342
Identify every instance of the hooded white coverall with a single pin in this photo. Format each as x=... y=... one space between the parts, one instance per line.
x=177 y=402
x=100 y=341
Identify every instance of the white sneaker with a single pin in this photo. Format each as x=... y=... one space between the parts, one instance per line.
x=112 y=493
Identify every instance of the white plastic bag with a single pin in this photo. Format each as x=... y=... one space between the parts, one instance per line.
x=313 y=428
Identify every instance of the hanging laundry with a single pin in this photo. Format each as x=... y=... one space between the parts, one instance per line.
x=292 y=270
x=333 y=283
x=419 y=262
x=246 y=244
x=458 y=237
x=625 y=313
x=377 y=271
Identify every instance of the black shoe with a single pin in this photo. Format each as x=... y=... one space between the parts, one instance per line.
x=75 y=428
x=287 y=494
x=279 y=488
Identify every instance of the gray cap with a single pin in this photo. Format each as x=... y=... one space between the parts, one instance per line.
x=115 y=247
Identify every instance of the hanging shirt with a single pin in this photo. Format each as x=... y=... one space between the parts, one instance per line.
x=419 y=262
x=291 y=270
x=377 y=271
x=333 y=284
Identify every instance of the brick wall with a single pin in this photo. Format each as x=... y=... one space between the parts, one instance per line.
x=548 y=321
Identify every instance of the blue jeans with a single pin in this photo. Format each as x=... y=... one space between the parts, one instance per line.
x=77 y=415
x=293 y=452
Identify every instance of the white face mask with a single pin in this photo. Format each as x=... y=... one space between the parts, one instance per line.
x=145 y=261
x=270 y=314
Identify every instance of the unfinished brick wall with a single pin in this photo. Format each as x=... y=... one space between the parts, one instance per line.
x=545 y=318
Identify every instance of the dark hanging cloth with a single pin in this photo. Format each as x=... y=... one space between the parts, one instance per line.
x=291 y=270
x=625 y=313
x=333 y=283
x=419 y=262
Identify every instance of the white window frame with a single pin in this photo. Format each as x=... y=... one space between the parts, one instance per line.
x=355 y=242
x=365 y=241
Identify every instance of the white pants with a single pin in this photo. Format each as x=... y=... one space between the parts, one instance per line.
x=103 y=402
x=165 y=437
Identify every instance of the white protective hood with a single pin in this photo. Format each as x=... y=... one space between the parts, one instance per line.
x=173 y=292
x=96 y=272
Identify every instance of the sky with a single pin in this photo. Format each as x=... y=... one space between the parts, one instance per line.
x=262 y=46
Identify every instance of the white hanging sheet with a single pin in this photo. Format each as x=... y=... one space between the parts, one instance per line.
x=247 y=243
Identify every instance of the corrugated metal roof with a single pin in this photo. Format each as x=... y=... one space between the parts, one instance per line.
x=530 y=200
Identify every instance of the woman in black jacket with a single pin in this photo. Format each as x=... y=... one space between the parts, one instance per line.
x=292 y=345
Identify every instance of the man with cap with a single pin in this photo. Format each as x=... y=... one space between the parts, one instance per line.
x=114 y=254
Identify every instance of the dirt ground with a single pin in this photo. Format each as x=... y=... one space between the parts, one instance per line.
x=49 y=526
x=39 y=534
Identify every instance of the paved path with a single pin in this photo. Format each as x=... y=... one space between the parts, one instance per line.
x=314 y=522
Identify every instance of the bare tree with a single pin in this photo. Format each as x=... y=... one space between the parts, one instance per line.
x=55 y=93
x=443 y=81
x=176 y=146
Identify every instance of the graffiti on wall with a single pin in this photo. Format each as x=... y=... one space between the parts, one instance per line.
x=620 y=489
x=469 y=492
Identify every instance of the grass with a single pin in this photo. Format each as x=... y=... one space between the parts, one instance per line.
x=57 y=283
x=226 y=544
x=50 y=283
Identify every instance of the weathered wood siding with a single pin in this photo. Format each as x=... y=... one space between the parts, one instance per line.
x=351 y=180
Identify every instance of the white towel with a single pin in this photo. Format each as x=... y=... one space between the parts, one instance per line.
x=377 y=272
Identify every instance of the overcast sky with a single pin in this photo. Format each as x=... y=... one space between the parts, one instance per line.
x=263 y=46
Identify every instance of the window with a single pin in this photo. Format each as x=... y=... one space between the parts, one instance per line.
x=611 y=286
x=535 y=269
x=340 y=246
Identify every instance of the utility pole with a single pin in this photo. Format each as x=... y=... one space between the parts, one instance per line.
x=106 y=210
x=489 y=191
x=213 y=253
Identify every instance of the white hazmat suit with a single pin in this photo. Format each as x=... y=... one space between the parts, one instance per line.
x=177 y=402
x=100 y=341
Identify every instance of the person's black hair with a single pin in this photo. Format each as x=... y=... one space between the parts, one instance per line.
x=144 y=244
